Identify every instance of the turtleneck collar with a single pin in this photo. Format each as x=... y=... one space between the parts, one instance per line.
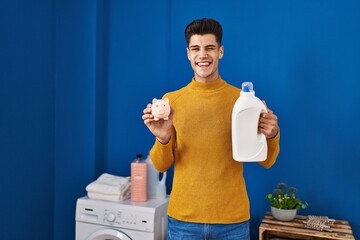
x=207 y=86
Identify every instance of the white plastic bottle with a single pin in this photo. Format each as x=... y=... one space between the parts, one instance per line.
x=247 y=144
x=156 y=188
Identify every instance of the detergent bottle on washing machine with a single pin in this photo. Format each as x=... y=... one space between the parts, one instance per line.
x=156 y=187
x=138 y=180
x=247 y=144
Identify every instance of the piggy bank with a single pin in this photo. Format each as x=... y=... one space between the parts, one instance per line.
x=160 y=109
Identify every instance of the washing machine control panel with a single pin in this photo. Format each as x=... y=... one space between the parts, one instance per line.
x=127 y=219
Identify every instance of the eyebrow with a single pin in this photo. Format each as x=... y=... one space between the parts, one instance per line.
x=207 y=46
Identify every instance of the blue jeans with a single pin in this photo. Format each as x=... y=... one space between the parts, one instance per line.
x=179 y=230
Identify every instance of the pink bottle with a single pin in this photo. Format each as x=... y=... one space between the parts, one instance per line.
x=139 y=180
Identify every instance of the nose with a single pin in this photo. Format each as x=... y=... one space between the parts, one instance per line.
x=203 y=54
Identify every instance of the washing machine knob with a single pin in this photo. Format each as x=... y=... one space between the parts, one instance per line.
x=110 y=217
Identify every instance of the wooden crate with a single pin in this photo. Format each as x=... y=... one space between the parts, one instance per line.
x=272 y=228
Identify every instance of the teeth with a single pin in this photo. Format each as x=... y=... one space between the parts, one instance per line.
x=201 y=64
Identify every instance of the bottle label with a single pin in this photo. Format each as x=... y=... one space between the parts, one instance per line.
x=138 y=182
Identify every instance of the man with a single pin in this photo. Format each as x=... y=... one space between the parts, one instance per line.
x=208 y=198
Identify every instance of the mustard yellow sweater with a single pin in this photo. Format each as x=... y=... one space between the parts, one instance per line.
x=208 y=185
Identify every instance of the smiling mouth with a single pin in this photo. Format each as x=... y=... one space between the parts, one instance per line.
x=203 y=64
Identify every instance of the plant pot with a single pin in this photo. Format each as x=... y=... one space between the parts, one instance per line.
x=283 y=214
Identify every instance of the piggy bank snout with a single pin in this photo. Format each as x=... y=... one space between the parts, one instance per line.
x=161 y=111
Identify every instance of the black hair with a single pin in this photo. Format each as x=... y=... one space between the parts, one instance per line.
x=204 y=26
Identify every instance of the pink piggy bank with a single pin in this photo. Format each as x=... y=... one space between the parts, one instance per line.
x=160 y=109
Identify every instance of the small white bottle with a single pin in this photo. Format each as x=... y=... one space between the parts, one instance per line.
x=139 y=180
x=156 y=188
x=247 y=144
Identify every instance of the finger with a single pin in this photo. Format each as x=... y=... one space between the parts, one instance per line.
x=268 y=115
x=268 y=124
x=265 y=116
x=147 y=109
x=268 y=132
x=269 y=128
x=147 y=116
x=148 y=121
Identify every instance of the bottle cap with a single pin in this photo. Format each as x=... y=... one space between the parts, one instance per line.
x=139 y=157
x=247 y=87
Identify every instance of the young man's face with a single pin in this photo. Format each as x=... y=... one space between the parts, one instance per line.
x=204 y=54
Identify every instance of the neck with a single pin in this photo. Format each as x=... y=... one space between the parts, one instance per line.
x=206 y=79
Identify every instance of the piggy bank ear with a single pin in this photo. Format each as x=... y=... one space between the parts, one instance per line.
x=166 y=100
x=154 y=100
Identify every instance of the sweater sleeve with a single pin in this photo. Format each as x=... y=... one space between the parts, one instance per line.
x=273 y=151
x=162 y=155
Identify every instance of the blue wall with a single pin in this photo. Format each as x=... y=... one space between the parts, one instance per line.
x=76 y=75
x=27 y=118
x=75 y=157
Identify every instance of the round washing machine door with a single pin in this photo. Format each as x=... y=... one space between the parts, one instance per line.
x=108 y=234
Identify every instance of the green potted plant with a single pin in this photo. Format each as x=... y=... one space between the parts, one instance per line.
x=284 y=204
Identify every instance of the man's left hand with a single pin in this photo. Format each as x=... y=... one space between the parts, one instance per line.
x=268 y=123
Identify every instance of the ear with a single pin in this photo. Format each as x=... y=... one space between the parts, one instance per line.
x=166 y=100
x=221 y=52
x=154 y=100
x=188 y=53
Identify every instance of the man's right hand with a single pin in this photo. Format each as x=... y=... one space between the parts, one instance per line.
x=160 y=128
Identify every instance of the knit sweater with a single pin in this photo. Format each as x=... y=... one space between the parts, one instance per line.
x=208 y=184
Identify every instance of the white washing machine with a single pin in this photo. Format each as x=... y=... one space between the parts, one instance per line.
x=126 y=220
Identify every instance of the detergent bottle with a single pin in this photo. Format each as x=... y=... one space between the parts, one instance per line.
x=247 y=144
x=156 y=187
x=139 y=179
